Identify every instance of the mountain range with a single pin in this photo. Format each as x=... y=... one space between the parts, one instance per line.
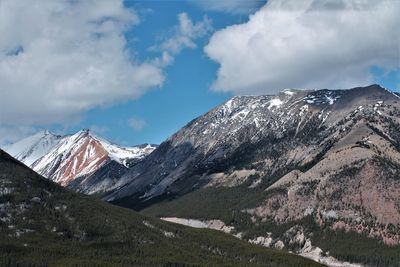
x=44 y=224
x=75 y=160
x=314 y=172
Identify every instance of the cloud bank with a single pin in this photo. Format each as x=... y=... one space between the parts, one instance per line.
x=307 y=44
x=61 y=58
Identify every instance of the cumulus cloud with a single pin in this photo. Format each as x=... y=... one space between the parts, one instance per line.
x=241 y=7
x=137 y=124
x=61 y=58
x=307 y=44
x=182 y=36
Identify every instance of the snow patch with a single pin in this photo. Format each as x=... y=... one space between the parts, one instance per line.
x=168 y=234
x=330 y=214
x=275 y=103
x=330 y=100
x=308 y=211
x=262 y=241
x=303 y=110
x=288 y=92
x=209 y=224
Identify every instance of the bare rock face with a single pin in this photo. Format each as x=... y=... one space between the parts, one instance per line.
x=354 y=186
x=363 y=198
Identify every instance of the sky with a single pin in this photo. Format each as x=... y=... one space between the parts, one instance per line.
x=136 y=71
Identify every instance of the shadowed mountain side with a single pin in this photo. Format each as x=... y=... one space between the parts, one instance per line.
x=43 y=224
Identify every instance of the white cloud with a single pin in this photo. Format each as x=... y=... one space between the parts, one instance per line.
x=307 y=44
x=241 y=7
x=61 y=58
x=181 y=36
x=137 y=124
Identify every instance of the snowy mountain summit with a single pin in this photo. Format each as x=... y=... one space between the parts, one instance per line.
x=64 y=159
x=31 y=148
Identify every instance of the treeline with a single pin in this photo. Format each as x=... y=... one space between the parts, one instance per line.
x=227 y=204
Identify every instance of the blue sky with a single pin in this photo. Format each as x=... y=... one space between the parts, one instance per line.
x=136 y=71
x=186 y=92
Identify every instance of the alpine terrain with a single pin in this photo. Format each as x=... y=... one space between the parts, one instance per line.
x=82 y=161
x=311 y=171
x=315 y=172
x=32 y=148
x=43 y=224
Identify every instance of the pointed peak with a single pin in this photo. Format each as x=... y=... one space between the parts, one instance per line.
x=376 y=86
x=87 y=133
x=84 y=132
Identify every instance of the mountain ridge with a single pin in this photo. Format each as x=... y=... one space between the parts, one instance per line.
x=76 y=156
x=230 y=118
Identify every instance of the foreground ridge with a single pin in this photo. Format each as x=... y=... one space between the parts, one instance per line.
x=43 y=224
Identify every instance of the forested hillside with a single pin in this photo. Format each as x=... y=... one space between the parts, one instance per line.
x=43 y=224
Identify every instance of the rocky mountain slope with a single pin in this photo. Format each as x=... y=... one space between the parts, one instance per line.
x=82 y=161
x=328 y=155
x=43 y=224
x=257 y=135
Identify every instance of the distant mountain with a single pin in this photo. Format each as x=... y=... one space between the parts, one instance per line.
x=30 y=149
x=326 y=157
x=84 y=160
x=43 y=224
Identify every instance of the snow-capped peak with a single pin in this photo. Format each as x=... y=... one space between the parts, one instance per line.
x=120 y=153
x=64 y=158
x=83 y=153
x=33 y=147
